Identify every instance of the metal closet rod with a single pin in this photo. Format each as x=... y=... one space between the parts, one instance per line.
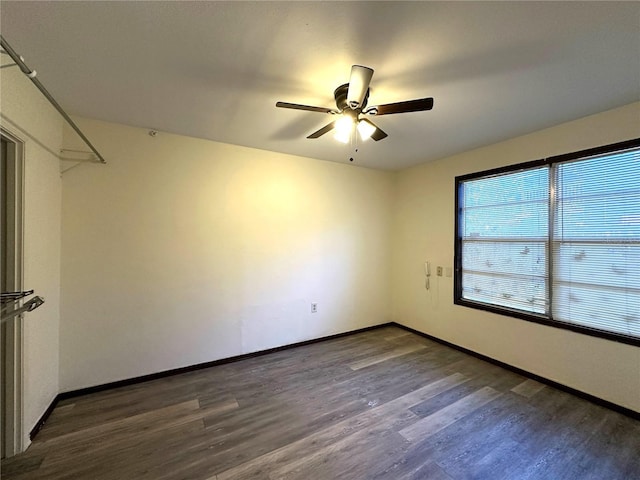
x=32 y=76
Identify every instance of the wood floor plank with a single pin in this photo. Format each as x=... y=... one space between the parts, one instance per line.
x=448 y=415
x=415 y=470
x=125 y=425
x=395 y=334
x=353 y=453
x=393 y=411
x=145 y=427
x=428 y=470
x=116 y=460
x=101 y=407
x=572 y=452
x=382 y=357
x=21 y=464
x=410 y=409
x=528 y=388
x=458 y=448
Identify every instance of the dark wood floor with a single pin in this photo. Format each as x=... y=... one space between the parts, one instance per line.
x=382 y=404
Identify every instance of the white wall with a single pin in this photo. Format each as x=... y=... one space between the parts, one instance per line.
x=28 y=115
x=181 y=251
x=424 y=230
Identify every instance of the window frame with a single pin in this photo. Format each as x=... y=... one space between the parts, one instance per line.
x=547 y=318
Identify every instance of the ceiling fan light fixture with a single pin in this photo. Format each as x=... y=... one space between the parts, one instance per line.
x=351 y=102
x=344 y=127
x=365 y=129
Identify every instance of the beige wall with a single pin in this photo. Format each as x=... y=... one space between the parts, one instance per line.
x=423 y=229
x=28 y=116
x=181 y=251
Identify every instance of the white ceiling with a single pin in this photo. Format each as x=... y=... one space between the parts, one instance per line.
x=215 y=70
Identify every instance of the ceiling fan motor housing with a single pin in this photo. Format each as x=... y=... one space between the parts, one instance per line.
x=340 y=95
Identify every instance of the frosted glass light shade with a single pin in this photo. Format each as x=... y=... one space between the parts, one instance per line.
x=343 y=128
x=365 y=129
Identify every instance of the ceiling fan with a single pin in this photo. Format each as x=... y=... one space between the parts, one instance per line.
x=351 y=100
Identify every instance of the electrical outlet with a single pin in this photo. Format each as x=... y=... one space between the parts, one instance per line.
x=314 y=307
x=439 y=271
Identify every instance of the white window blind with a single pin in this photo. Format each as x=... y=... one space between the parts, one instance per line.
x=504 y=233
x=596 y=243
x=555 y=241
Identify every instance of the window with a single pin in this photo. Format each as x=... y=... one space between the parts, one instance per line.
x=555 y=241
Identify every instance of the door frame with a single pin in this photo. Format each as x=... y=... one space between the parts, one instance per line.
x=12 y=341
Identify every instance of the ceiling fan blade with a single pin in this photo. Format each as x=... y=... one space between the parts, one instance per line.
x=323 y=130
x=358 y=85
x=309 y=108
x=418 y=105
x=378 y=134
